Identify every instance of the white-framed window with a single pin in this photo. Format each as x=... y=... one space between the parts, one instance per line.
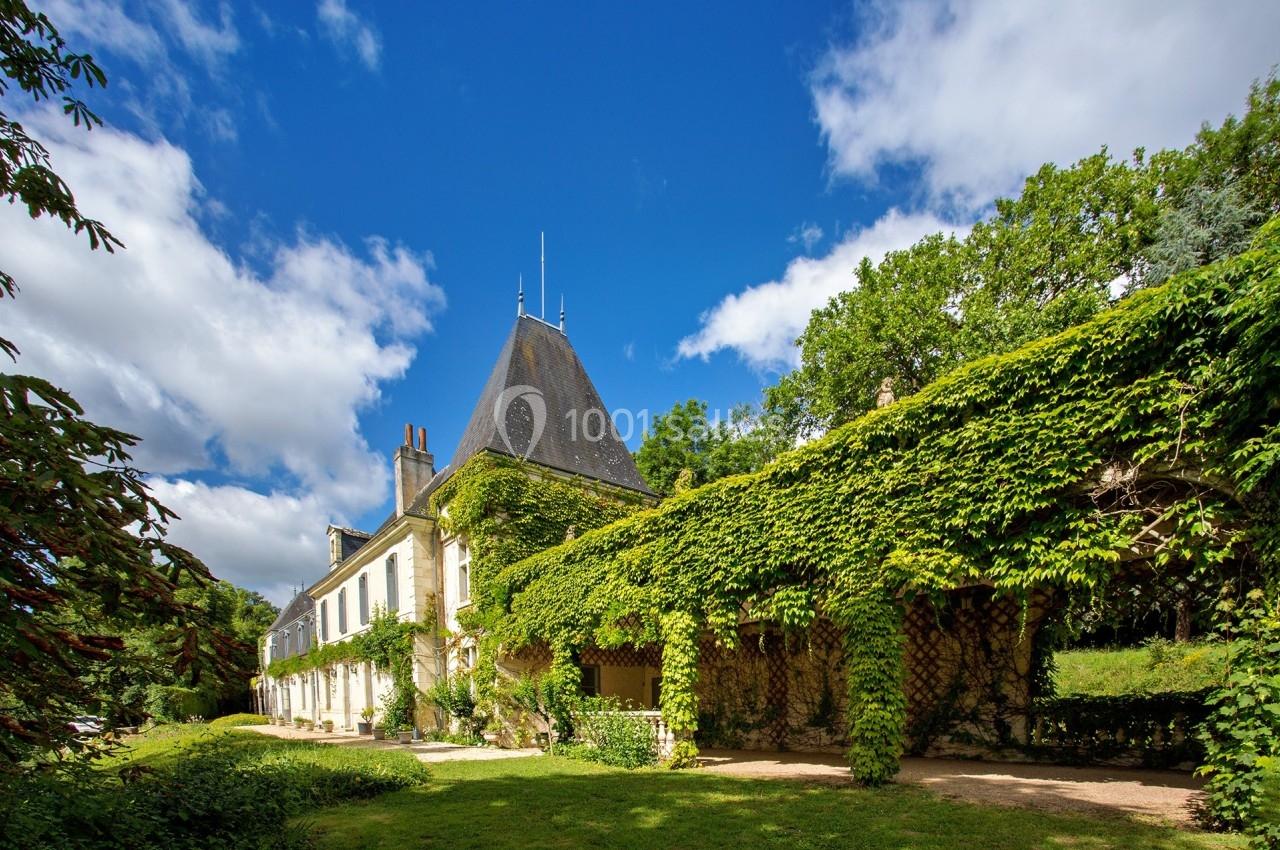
x=464 y=572
x=342 y=611
x=393 y=586
x=362 y=586
x=470 y=656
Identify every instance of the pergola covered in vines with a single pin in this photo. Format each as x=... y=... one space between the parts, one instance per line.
x=1146 y=438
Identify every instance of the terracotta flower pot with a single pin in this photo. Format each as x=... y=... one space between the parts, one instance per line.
x=327 y=725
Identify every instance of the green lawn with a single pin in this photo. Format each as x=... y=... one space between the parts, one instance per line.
x=555 y=802
x=1156 y=668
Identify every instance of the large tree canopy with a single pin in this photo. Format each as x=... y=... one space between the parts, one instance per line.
x=83 y=554
x=1065 y=248
x=685 y=448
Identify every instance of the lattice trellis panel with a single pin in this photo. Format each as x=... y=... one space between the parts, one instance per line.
x=623 y=656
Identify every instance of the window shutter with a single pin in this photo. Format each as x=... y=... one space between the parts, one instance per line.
x=324 y=619
x=393 y=587
x=363 y=587
x=342 y=611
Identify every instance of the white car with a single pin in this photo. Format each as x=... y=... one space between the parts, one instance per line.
x=87 y=724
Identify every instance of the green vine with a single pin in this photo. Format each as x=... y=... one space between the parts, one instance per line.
x=388 y=644
x=1149 y=433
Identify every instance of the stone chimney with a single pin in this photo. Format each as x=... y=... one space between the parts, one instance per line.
x=335 y=546
x=414 y=468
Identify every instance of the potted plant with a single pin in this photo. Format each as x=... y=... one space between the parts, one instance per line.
x=297 y=722
x=308 y=725
x=365 y=725
x=405 y=736
x=327 y=725
x=379 y=733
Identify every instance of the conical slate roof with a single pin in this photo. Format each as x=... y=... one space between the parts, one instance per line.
x=540 y=404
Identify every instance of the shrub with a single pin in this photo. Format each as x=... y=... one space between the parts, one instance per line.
x=684 y=755
x=455 y=698
x=1242 y=737
x=613 y=737
x=226 y=790
x=177 y=704
x=233 y=720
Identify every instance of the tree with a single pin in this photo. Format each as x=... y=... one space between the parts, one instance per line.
x=685 y=442
x=35 y=56
x=896 y=323
x=1044 y=261
x=77 y=522
x=1206 y=225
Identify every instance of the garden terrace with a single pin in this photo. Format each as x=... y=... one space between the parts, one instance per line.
x=1146 y=438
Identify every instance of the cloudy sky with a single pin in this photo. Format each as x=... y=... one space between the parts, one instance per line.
x=326 y=206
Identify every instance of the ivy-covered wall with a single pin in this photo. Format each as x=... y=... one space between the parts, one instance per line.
x=1149 y=433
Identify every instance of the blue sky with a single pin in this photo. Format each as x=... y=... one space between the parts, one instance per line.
x=326 y=206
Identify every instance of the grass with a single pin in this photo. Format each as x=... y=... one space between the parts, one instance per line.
x=559 y=803
x=189 y=786
x=1158 y=667
x=166 y=747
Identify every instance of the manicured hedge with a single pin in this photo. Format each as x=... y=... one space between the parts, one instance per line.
x=232 y=720
x=206 y=790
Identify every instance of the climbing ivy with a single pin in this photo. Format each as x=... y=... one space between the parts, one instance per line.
x=388 y=644
x=508 y=510
x=1147 y=434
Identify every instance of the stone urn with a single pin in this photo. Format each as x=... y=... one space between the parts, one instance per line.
x=379 y=733
x=405 y=737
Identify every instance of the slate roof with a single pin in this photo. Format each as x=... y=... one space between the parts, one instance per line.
x=539 y=378
x=351 y=540
x=298 y=606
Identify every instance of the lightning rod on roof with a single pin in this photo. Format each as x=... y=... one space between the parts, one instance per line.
x=520 y=298
x=543 y=244
x=561 y=312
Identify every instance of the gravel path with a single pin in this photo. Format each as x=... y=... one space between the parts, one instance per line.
x=428 y=751
x=1151 y=794
x=1159 y=795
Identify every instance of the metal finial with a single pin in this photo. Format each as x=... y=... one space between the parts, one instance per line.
x=520 y=298
x=543 y=242
x=561 y=312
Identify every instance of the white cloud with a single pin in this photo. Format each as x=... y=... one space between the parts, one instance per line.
x=252 y=376
x=976 y=95
x=807 y=234
x=269 y=542
x=347 y=30
x=762 y=322
x=210 y=44
x=146 y=44
x=979 y=94
x=106 y=24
